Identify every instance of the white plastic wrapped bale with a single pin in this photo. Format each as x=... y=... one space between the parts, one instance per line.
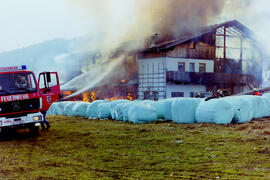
x=52 y=110
x=184 y=110
x=92 y=109
x=122 y=111
x=158 y=106
x=243 y=111
x=168 y=109
x=68 y=108
x=215 y=111
x=140 y=113
x=137 y=100
x=114 y=104
x=260 y=105
x=59 y=109
x=104 y=110
x=79 y=109
x=267 y=96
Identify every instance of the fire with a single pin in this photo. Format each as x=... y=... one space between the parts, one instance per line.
x=90 y=96
x=93 y=96
x=66 y=93
x=85 y=97
x=129 y=96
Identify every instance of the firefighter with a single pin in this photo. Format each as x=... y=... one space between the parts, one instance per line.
x=256 y=92
x=214 y=96
x=22 y=82
x=220 y=93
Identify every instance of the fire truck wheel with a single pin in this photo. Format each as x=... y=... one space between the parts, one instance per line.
x=7 y=134
x=34 y=131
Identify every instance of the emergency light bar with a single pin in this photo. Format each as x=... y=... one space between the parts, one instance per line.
x=12 y=68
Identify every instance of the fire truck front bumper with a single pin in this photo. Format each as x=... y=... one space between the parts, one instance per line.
x=22 y=121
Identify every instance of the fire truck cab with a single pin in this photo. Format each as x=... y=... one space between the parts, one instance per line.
x=23 y=98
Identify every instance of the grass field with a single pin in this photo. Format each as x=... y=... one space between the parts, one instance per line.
x=76 y=148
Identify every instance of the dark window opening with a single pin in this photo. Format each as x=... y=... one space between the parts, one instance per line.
x=146 y=95
x=202 y=67
x=192 y=67
x=177 y=94
x=156 y=96
x=181 y=67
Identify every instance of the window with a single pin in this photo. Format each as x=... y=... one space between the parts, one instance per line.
x=191 y=94
x=53 y=80
x=43 y=81
x=181 y=67
x=177 y=94
x=202 y=67
x=156 y=97
x=146 y=95
x=191 y=67
x=17 y=83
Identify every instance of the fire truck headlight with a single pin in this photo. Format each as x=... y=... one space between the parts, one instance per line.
x=37 y=118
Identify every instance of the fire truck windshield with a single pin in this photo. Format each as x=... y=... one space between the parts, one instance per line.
x=17 y=83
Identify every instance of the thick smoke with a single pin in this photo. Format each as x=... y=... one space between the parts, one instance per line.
x=132 y=22
x=255 y=15
x=175 y=17
x=121 y=21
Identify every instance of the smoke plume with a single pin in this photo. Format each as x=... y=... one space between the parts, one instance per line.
x=121 y=21
x=132 y=22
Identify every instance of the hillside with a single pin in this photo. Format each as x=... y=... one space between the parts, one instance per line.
x=53 y=55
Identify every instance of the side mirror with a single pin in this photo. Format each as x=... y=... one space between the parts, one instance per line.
x=48 y=77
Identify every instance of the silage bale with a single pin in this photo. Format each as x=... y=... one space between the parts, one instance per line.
x=104 y=110
x=137 y=100
x=184 y=110
x=92 y=109
x=243 y=111
x=158 y=106
x=267 y=96
x=140 y=113
x=260 y=105
x=59 y=109
x=121 y=111
x=168 y=108
x=114 y=104
x=79 y=109
x=52 y=109
x=68 y=108
x=215 y=111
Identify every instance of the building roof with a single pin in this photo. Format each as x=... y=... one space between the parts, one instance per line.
x=239 y=28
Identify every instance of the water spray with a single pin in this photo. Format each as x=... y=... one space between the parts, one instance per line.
x=91 y=79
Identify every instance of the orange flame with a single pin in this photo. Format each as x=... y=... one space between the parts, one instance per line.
x=85 y=97
x=93 y=96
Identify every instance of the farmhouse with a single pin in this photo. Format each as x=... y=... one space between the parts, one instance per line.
x=221 y=56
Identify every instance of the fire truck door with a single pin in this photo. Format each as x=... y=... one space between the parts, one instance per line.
x=49 y=88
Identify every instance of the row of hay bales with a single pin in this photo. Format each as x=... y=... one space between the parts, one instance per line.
x=237 y=109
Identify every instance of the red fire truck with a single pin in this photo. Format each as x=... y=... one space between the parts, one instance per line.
x=23 y=98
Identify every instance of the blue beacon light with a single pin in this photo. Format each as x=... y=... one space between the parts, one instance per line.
x=24 y=67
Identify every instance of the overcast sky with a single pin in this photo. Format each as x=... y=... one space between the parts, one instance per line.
x=24 y=22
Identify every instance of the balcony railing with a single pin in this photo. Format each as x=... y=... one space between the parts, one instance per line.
x=209 y=78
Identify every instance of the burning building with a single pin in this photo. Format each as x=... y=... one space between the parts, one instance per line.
x=222 y=56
